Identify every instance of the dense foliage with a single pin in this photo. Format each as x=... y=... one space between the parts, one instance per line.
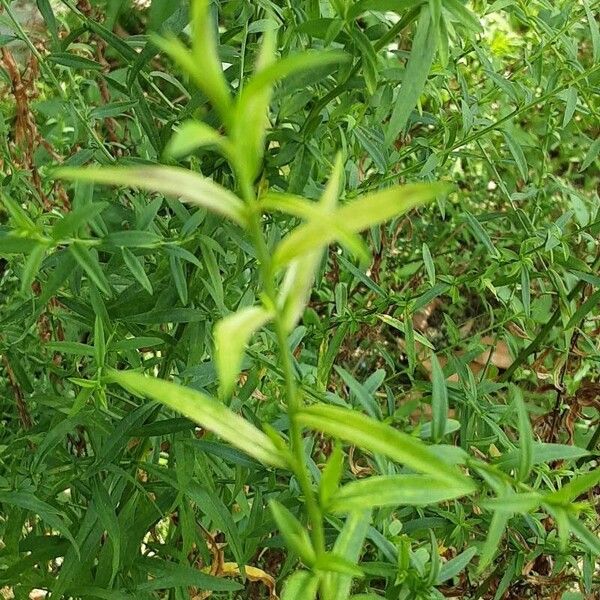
x=310 y=308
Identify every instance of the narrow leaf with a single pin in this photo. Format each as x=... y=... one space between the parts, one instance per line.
x=415 y=75
x=205 y=411
x=172 y=181
x=380 y=438
x=439 y=400
x=367 y=211
x=231 y=336
x=395 y=491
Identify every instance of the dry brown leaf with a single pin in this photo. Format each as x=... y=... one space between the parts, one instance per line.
x=254 y=574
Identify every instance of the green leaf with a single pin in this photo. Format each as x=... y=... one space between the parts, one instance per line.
x=132 y=239
x=99 y=341
x=401 y=326
x=136 y=268
x=73 y=61
x=167 y=575
x=481 y=234
x=583 y=310
x=47 y=13
x=594 y=30
x=591 y=155
x=332 y=563
x=455 y=565
x=13 y=244
x=204 y=46
x=348 y=545
x=590 y=539
x=172 y=181
x=300 y=585
x=76 y=348
x=31 y=267
x=28 y=501
x=179 y=277
x=72 y=222
x=18 y=215
x=517 y=154
x=296 y=286
x=415 y=75
x=202 y=65
x=103 y=506
x=492 y=542
x=271 y=73
x=294 y=533
x=571 y=105
x=541 y=453
x=525 y=437
x=395 y=491
x=367 y=211
x=379 y=438
x=575 y=488
x=526 y=290
x=428 y=262
x=88 y=261
x=368 y=57
x=464 y=15
x=192 y=135
x=231 y=337
x=331 y=475
x=514 y=503
x=205 y=411
x=439 y=400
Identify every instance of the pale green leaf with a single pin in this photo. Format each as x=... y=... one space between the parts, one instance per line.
x=369 y=434
x=300 y=585
x=514 y=503
x=395 y=491
x=367 y=211
x=173 y=181
x=231 y=336
x=293 y=532
x=192 y=135
x=207 y=412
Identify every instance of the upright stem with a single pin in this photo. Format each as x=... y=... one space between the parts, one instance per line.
x=293 y=394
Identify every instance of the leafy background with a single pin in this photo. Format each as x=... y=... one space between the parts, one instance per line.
x=105 y=495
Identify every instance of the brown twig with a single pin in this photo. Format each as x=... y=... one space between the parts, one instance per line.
x=24 y=415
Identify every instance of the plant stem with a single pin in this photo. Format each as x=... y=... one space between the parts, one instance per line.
x=293 y=395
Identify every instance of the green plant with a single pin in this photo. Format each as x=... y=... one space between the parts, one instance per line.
x=297 y=142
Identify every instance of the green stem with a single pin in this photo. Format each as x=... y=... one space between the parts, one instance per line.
x=293 y=395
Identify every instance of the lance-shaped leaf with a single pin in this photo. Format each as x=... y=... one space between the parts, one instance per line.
x=395 y=490
x=251 y=114
x=348 y=545
x=202 y=64
x=231 y=336
x=173 y=181
x=298 y=280
x=195 y=134
x=366 y=211
x=204 y=47
x=575 y=488
x=300 y=207
x=207 y=412
x=415 y=74
x=369 y=434
x=293 y=532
